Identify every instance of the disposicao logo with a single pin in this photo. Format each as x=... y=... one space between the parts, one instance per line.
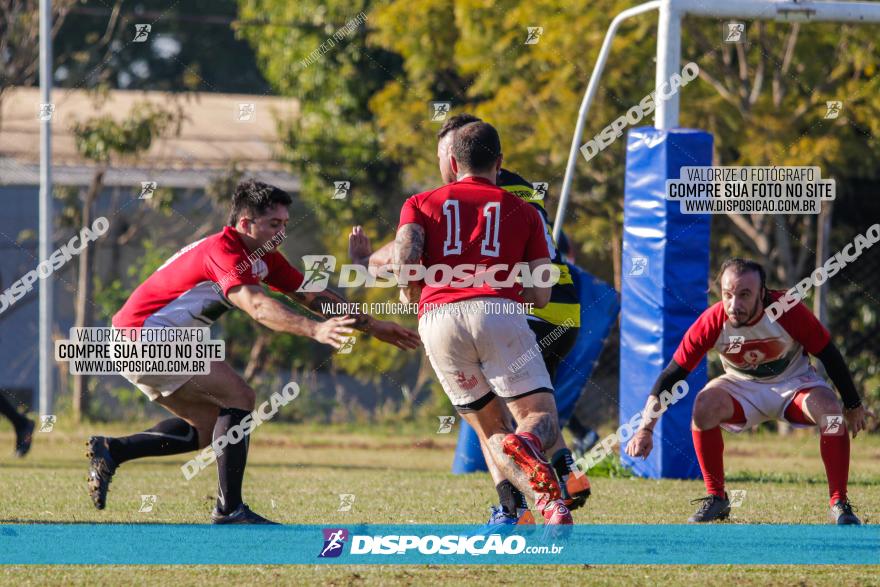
x=334 y=540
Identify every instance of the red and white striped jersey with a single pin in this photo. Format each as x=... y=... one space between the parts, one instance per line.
x=190 y=288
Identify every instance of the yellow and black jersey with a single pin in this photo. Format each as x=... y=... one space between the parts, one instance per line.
x=564 y=302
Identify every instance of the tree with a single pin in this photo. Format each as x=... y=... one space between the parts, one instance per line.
x=191 y=46
x=19 y=40
x=335 y=138
x=104 y=140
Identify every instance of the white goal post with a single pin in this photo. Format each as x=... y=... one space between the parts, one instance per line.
x=669 y=52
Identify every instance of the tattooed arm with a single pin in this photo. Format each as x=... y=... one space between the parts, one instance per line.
x=408 y=249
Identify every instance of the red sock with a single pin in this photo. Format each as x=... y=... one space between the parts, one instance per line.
x=835 y=455
x=710 y=452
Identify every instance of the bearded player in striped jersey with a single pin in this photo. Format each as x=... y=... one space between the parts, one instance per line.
x=767 y=376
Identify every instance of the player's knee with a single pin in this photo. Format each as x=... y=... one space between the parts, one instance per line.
x=203 y=421
x=823 y=402
x=708 y=409
x=247 y=399
x=496 y=441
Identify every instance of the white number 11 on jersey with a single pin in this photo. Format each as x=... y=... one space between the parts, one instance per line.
x=490 y=246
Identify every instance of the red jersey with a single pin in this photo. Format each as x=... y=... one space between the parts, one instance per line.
x=190 y=288
x=473 y=222
x=763 y=350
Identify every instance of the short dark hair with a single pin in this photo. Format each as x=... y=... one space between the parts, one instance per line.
x=476 y=146
x=257 y=198
x=740 y=266
x=455 y=123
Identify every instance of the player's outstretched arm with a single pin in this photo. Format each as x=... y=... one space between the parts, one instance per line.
x=382 y=257
x=642 y=441
x=275 y=315
x=360 y=251
x=854 y=412
x=331 y=305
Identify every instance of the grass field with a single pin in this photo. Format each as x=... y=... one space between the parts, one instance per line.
x=295 y=475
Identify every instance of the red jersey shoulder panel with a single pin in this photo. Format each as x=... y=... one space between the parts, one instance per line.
x=700 y=337
x=283 y=276
x=803 y=326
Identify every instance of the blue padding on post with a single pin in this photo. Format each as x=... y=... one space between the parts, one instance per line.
x=664 y=281
x=599 y=307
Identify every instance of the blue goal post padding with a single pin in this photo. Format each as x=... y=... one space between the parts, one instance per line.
x=599 y=308
x=664 y=281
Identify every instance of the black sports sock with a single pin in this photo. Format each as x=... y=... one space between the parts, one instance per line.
x=511 y=497
x=577 y=428
x=7 y=409
x=232 y=459
x=562 y=462
x=168 y=437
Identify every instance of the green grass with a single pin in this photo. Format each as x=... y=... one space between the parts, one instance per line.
x=295 y=474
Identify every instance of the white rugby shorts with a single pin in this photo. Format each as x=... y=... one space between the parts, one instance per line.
x=480 y=346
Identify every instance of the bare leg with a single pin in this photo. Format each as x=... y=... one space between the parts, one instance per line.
x=492 y=424
x=536 y=414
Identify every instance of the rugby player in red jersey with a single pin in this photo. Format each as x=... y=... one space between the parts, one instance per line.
x=195 y=287
x=475 y=334
x=559 y=321
x=768 y=376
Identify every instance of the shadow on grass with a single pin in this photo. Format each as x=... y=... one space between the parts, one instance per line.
x=20 y=521
x=794 y=478
x=67 y=465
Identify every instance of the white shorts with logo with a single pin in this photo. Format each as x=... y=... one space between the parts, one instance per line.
x=763 y=402
x=156 y=385
x=476 y=349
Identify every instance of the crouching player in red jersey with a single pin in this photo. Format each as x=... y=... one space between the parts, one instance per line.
x=767 y=376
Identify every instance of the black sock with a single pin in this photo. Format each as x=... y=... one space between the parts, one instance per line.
x=231 y=461
x=168 y=437
x=577 y=428
x=7 y=409
x=511 y=497
x=562 y=462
